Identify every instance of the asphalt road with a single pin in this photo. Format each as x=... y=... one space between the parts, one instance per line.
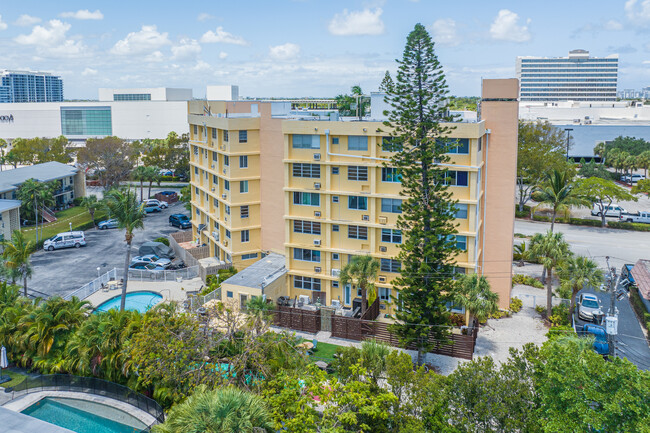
x=630 y=341
x=63 y=271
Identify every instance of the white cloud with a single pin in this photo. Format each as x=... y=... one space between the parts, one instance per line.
x=286 y=51
x=613 y=25
x=88 y=72
x=506 y=27
x=646 y=62
x=365 y=22
x=223 y=37
x=148 y=39
x=223 y=55
x=3 y=25
x=154 y=57
x=188 y=49
x=51 y=39
x=444 y=32
x=84 y=14
x=27 y=20
x=204 y=16
x=638 y=11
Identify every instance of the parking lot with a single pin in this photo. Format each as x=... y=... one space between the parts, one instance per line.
x=63 y=271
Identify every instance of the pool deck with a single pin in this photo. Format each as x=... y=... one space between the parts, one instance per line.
x=23 y=402
x=170 y=290
x=15 y=422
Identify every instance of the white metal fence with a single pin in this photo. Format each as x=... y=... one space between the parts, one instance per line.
x=89 y=288
x=196 y=301
x=175 y=275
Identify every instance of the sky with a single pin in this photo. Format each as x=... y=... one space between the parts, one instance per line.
x=301 y=48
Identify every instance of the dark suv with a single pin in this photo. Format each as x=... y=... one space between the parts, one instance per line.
x=179 y=220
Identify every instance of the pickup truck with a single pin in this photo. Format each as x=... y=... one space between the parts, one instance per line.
x=638 y=217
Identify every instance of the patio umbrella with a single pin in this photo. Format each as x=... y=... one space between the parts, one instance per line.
x=4 y=363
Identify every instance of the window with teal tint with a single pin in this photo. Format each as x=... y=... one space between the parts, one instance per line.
x=214 y=132
x=306 y=198
x=243 y=161
x=390 y=265
x=249 y=256
x=306 y=283
x=245 y=236
x=389 y=144
x=461 y=211
x=335 y=140
x=302 y=141
x=243 y=136
x=461 y=242
x=357 y=142
x=392 y=236
x=243 y=186
x=86 y=121
x=392 y=205
x=226 y=185
x=390 y=174
x=460 y=147
x=357 y=203
x=457 y=178
x=226 y=160
x=225 y=135
x=132 y=97
x=306 y=255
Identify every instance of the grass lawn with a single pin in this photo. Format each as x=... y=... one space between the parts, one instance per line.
x=77 y=215
x=324 y=350
x=16 y=378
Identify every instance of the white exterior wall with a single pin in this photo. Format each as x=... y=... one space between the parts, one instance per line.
x=222 y=93
x=157 y=93
x=130 y=119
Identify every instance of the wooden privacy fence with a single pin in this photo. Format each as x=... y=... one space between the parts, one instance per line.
x=297 y=319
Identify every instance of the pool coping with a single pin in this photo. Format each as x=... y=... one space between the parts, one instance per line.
x=23 y=402
x=162 y=298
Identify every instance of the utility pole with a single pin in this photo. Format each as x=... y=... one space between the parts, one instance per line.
x=611 y=321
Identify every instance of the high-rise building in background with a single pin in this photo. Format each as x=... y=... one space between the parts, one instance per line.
x=577 y=77
x=315 y=188
x=25 y=86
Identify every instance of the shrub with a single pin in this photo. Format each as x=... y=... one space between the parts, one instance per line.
x=516 y=305
x=77 y=201
x=540 y=309
x=162 y=240
x=524 y=213
x=559 y=331
x=457 y=319
x=560 y=315
x=542 y=218
x=499 y=314
x=640 y=227
x=585 y=222
x=526 y=280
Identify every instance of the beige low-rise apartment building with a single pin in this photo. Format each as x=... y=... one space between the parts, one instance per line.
x=318 y=190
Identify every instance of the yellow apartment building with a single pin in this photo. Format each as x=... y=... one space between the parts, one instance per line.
x=320 y=190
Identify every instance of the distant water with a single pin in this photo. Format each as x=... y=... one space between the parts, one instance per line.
x=585 y=137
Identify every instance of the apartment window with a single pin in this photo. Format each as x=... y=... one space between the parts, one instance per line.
x=243 y=212
x=335 y=227
x=215 y=179
x=301 y=141
x=460 y=146
x=461 y=211
x=229 y=294
x=306 y=283
x=392 y=236
x=391 y=205
x=461 y=242
x=335 y=256
x=388 y=144
x=243 y=136
x=225 y=135
x=249 y=256
x=335 y=284
x=226 y=160
x=245 y=236
x=215 y=202
x=306 y=170
x=196 y=170
x=457 y=178
x=357 y=203
x=195 y=149
x=196 y=190
x=309 y=227
x=226 y=185
x=358 y=142
x=306 y=198
x=384 y=294
x=480 y=143
x=214 y=132
x=196 y=130
x=214 y=155
x=243 y=186
x=335 y=199
x=227 y=210
x=306 y=255
x=358 y=232
x=390 y=174
x=243 y=161
x=228 y=233
x=389 y=265
x=335 y=170
x=356 y=172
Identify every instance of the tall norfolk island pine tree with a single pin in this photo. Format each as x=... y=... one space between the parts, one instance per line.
x=419 y=109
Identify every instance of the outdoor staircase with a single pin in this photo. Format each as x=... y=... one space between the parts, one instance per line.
x=48 y=214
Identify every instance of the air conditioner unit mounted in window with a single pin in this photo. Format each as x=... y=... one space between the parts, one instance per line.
x=213 y=189
x=225 y=171
x=213 y=166
x=382 y=279
x=383 y=249
x=317 y=269
x=316 y=156
x=317 y=214
x=215 y=235
x=224 y=195
x=365 y=217
x=317 y=242
x=383 y=220
x=316 y=185
x=336 y=273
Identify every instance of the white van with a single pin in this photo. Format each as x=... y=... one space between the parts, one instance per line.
x=65 y=240
x=613 y=210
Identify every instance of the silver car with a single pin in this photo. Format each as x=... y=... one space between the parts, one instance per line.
x=588 y=307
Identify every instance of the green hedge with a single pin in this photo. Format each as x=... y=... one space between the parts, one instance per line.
x=524 y=213
x=585 y=222
x=640 y=227
x=526 y=280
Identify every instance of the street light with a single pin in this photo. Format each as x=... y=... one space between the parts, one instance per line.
x=70 y=224
x=567 y=141
x=98 y=268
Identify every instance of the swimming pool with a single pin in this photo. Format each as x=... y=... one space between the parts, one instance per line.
x=140 y=301
x=83 y=416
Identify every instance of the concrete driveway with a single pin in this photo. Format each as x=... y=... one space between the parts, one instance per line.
x=63 y=271
x=630 y=341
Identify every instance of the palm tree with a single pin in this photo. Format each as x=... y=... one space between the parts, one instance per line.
x=259 y=312
x=31 y=193
x=223 y=410
x=361 y=272
x=519 y=252
x=140 y=174
x=16 y=256
x=551 y=250
x=124 y=207
x=473 y=293
x=644 y=162
x=91 y=203
x=558 y=191
x=152 y=174
x=579 y=272
x=599 y=150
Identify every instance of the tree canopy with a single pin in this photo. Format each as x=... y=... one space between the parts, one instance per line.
x=603 y=192
x=38 y=150
x=111 y=159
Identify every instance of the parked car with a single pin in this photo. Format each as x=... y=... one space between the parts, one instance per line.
x=153 y=201
x=179 y=220
x=151 y=208
x=146 y=266
x=634 y=178
x=65 y=240
x=601 y=346
x=638 y=217
x=108 y=224
x=613 y=210
x=589 y=307
x=152 y=258
x=157 y=248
